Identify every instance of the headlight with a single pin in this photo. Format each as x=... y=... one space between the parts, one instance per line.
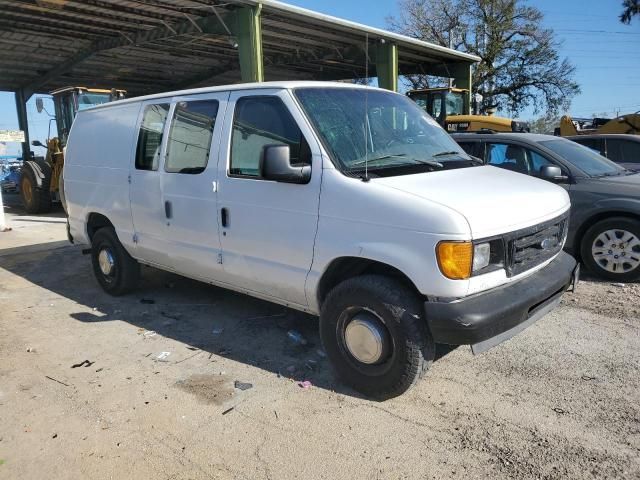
x=461 y=260
x=481 y=256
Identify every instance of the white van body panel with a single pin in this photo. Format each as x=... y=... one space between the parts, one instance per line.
x=281 y=237
x=96 y=169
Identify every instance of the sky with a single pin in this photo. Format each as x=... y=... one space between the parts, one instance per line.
x=604 y=51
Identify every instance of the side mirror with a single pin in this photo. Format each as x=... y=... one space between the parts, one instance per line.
x=275 y=164
x=38 y=143
x=39 y=104
x=553 y=173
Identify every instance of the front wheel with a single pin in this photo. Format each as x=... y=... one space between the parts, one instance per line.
x=116 y=271
x=611 y=249
x=374 y=333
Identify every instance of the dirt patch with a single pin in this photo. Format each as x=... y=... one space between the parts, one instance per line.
x=211 y=389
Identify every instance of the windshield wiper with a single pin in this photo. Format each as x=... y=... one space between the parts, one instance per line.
x=442 y=154
x=383 y=157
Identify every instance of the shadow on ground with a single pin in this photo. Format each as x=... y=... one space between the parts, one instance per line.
x=212 y=319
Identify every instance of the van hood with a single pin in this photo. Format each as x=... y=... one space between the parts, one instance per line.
x=493 y=200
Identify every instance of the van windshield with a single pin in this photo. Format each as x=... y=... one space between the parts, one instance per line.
x=385 y=133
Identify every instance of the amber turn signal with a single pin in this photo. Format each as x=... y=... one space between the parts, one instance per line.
x=455 y=259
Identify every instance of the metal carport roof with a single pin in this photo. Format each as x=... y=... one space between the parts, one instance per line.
x=158 y=45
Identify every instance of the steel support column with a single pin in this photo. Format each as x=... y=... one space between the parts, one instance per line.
x=21 y=110
x=461 y=74
x=387 y=66
x=249 y=35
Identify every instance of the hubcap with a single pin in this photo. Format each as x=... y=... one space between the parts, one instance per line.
x=106 y=261
x=366 y=338
x=616 y=251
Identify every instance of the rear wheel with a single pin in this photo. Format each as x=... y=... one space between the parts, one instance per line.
x=373 y=331
x=611 y=249
x=116 y=271
x=35 y=199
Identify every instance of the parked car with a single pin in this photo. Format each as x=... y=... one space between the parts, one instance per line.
x=619 y=148
x=346 y=202
x=604 y=230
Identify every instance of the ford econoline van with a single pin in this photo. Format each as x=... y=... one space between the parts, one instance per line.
x=343 y=201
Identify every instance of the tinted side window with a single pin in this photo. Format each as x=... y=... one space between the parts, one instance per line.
x=150 y=136
x=624 y=151
x=509 y=157
x=261 y=121
x=473 y=148
x=190 y=136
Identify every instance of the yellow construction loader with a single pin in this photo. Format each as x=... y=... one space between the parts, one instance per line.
x=450 y=107
x=41 y=177
x=629 y=124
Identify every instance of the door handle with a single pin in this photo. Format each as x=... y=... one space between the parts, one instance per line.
x=167 y=209
x=224 y=217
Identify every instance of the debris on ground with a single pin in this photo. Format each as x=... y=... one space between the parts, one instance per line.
x=242 y=385
x=621 y=285
x=227 y=410
x=305 y=384
x=31 y=350
x=162 y=357
x=296 y=337
x=149 y=333
x=56 y=380
x=560 y=411
x=85 y=363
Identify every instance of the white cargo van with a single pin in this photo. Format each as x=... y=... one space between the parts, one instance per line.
x=343 y=201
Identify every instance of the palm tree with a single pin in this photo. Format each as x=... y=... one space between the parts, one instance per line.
x=631 y=8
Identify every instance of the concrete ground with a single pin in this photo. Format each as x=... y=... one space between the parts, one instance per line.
x=154 y=397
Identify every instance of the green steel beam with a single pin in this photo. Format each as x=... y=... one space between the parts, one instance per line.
x=461 y=74
x=249 y=36
x=387 y=66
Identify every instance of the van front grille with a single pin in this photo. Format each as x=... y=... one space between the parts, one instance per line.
x=532 y=246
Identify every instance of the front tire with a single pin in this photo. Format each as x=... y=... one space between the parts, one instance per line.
x=116 y=271
x=611 y=249
x=373 y=330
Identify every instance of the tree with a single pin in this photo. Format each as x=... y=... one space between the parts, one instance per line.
x=545 y=124
x=520 y=65
x=631 y=8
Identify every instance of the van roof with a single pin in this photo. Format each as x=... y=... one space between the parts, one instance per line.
x=283 y=85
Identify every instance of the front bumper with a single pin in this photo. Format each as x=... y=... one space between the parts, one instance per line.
x=489 y=318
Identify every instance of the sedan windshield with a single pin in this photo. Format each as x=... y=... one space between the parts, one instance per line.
x=584 y=158
x=380 y=132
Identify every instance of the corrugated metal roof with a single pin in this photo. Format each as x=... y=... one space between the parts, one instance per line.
x=148 y=46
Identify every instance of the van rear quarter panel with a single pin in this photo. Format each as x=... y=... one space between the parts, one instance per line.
x=98 y=160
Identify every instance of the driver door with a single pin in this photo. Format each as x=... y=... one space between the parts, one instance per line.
x=267 y=227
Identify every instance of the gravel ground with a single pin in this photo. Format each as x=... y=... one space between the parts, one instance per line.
x=560 y=400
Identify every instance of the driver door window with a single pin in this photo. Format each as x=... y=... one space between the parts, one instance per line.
x=516 y=158
x=261 y=121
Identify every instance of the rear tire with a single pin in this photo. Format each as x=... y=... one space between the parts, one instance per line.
x=35 y=199
x=373 y=330
x=117 y=272
x=611 y=249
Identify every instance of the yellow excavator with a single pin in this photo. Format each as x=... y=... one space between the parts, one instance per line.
x=629 y=124
x=450 y=107
x=41 y=177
